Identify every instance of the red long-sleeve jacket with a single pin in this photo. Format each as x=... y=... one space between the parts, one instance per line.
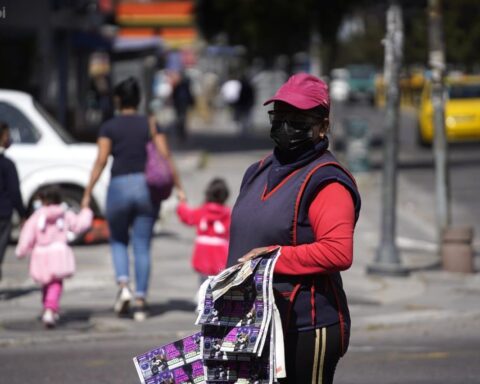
x=212 y=221
x=332 y=217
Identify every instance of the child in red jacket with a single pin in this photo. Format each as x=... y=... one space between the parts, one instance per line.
x=212 y=220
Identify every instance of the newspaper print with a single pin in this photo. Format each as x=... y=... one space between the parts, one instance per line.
x=243 y=305
x=168 y=357
x=254 y=370
x=217 y=287
x=247 y=328
x=220 y=287
x=241 y=339
x=187 y=374
x=212 y=340
x=263 y=277
x=238 y=372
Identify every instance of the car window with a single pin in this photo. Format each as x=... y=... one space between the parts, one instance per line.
x=464 y=91
x=362 y=72
x=21 y=129
x=64 y=135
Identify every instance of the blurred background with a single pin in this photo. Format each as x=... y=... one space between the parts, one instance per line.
x=393 y=88
x=69 y=54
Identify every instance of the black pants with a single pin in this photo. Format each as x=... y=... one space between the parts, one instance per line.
x=5 y=229
x=312 y=356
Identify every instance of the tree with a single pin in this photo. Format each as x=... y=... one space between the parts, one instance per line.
x=462 y=32
x=274 y=27
x=268 y=28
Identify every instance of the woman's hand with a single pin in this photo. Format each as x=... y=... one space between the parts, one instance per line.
x=255 y=252
x=85 y=201
x=181 y=195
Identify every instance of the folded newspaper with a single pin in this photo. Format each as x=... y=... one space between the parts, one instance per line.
x=241 y=340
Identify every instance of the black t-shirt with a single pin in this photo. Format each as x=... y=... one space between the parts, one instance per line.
x=10 y=196
x=129 y=135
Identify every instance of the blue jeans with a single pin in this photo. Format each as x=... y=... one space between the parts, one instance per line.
x=130 y=211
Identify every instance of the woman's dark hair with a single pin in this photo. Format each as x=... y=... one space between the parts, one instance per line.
x=128 y=93
x=217 y=191
x=50 y=195
x=320 y=111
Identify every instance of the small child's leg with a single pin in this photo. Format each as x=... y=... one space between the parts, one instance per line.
x=51 y=300
x=52 y=293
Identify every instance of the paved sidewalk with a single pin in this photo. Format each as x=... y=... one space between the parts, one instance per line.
x=426 y=295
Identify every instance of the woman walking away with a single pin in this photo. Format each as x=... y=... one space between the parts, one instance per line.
x=212 y=220
x=44 y=235
x=131 y=210
x=302 y=199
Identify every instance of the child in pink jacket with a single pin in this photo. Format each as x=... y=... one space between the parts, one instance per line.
x=212 y=220
x=44 y=236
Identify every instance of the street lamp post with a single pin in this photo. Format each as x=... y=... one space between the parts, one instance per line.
x=387 y=261
x=437 y=64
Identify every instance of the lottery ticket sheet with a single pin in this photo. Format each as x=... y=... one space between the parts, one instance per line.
x=241 y=339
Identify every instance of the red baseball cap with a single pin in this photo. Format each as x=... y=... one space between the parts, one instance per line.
x=303 y=91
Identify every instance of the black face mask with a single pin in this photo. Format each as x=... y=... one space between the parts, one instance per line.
x=287 y=137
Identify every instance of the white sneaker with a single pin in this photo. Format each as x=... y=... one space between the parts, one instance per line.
x=122 y=303
x=140 y=315
x=48 y=318
x=140 y=312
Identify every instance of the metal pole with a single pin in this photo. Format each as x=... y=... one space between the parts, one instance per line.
x=440 y=146
x=387 y=261
x=315 y=56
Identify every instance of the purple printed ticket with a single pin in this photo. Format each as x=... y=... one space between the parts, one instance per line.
x=168 y=357
x=187 y=374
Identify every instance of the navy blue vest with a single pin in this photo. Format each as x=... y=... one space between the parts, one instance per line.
x=280 y=217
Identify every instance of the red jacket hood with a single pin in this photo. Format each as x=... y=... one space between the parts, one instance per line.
x=214 y=211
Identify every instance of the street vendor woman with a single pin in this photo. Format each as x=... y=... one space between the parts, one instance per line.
x=301 y=198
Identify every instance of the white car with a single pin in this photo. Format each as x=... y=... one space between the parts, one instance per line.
x=45 y=154
x=339 y=87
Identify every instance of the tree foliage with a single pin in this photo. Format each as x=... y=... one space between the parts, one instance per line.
x=268 y=28
x=462 y=32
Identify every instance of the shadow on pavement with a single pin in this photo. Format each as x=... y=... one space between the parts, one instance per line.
x=72 y=320
x=13 y=293
x=171 y=305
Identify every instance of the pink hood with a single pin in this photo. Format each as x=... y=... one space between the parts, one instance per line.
x=51 y=215
x=50 y=224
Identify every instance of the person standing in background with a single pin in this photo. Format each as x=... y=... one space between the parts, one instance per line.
x=182 y=100
x=45 y=237
x=243 y=106
x=10 y=196
x=212 y=220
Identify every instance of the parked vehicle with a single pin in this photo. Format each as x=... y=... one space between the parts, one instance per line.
x=339 y=86
x=45 y=154
x=362 y=82
x=462 y=110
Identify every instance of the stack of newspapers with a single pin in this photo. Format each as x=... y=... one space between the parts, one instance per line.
x=241 y=340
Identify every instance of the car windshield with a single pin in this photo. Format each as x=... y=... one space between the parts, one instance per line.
x=464 y=91
x=64 y=135
x=361 y=72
